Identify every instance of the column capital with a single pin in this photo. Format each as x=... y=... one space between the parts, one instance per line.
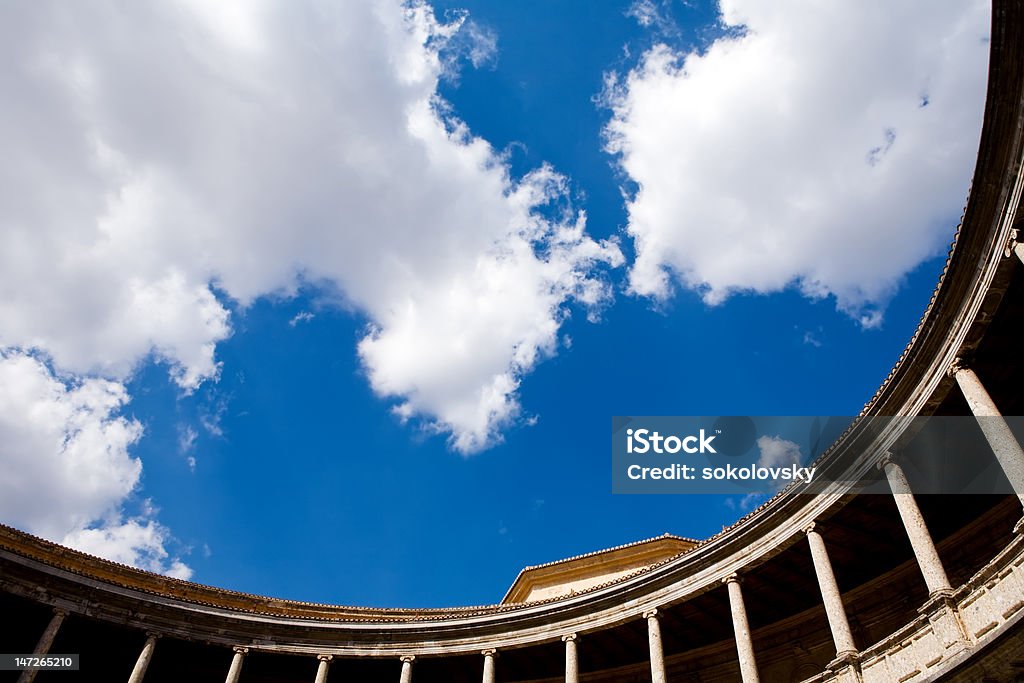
x=732 y=578
x=888 y=457
x=153 y=634
x=651 y=613
x=240 y=650
x=325 y=658
x=814 y=528
x=1011 y=243
x=958 y=364
x=569 y=636
x=407 y=659
x=57 y=611
x=489 y=652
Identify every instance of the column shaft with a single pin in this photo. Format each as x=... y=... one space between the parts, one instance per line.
x=407 y=669
x=322 y=668
x=1018 y=249
x=572 y=666
x=834 y=609
x=920 y=540
x=1004 y=444
x=657 y=654
x=43 y=645
x=236 y=665
x=142 y=663
x=741 y=627
x=488 y=666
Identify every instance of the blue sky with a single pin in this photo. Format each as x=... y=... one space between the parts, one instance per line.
x=338 y=308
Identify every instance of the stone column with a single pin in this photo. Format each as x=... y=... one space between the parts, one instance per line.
x=1015 y=247
x=654 y=639
x=741 y=627
x=920 y=540
x=572 y=665
x=834 y=610
x=489 y=656
x=322 y=667
x=142 y=663
x=1008 y=452
x=44 y=644
x=407 y=661
x=236 y=664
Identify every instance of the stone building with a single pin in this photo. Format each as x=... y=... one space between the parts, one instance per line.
x=824 y=587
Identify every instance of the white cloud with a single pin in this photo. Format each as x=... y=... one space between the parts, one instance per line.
x=474 y=42
x=774 y=451
x=211 y=413
x=745 y=503
x=187 y=436
x=156 y=152
x=811 y=339
x=139 y=543
x=66 y=465
x=656 y=15
x=827 y=147
x=301 y=317
x=65 y=450
x=646 y=12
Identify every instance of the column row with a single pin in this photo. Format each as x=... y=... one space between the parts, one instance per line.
x=1004 y=444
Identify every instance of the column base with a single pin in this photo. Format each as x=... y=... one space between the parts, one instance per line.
x=845 y=668
x=844 y=659
x=943 y=596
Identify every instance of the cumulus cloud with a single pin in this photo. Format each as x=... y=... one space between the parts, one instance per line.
x=165 y=163
x=822 y=146
x=67 y=466
x=139 y=543
x=157 y=154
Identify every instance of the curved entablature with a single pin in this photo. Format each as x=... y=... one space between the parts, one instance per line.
x=971 y=318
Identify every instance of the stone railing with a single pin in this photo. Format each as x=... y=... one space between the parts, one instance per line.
x=950 y=628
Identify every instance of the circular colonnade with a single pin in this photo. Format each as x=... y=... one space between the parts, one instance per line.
x=828 y=586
